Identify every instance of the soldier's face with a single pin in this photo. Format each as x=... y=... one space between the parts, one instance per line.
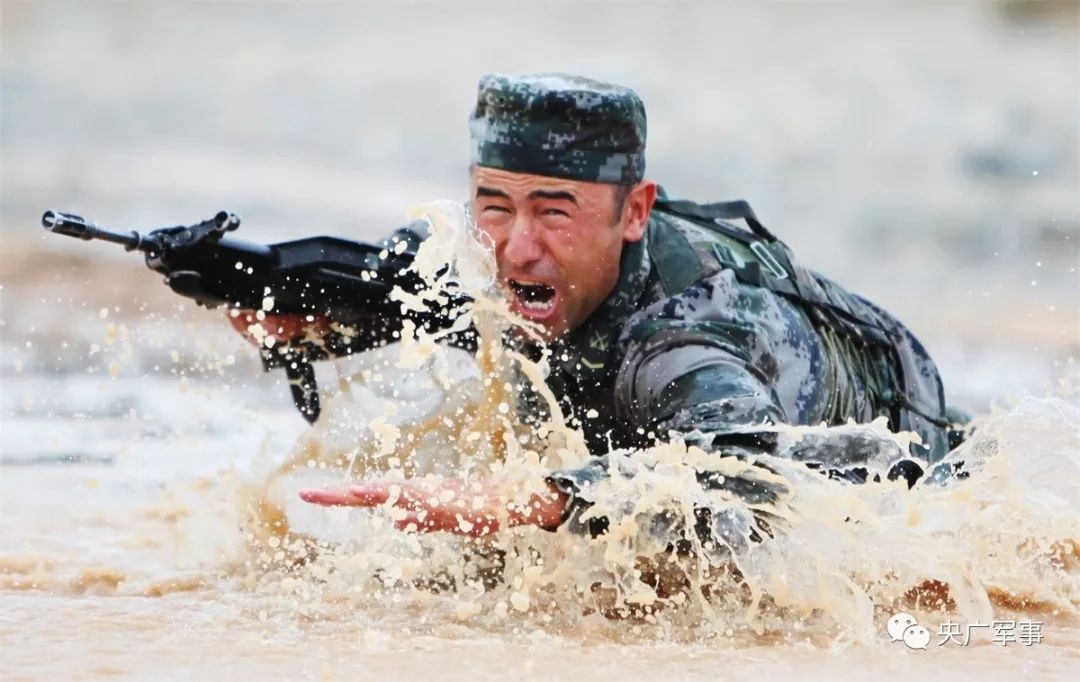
x=557 y=242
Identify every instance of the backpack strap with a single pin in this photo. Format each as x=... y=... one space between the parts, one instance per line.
x=847 y=324
x=677 y=262
x=757 y=258
x=715 y=212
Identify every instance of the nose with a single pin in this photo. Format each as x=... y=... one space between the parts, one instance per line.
x=523 y=245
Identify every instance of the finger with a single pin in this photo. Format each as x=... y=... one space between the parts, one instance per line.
x=284 y=327
x=290 y=326
x=475 y=526
x=281 y=327
x=399 y=494
x=239 y=321
x=411 y=523
x=434 y=521
x=335 y=497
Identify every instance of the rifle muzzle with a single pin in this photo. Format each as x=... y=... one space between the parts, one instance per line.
x=81 y=228
x=66 y=223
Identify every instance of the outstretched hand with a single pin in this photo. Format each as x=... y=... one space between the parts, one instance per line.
x=463 y=507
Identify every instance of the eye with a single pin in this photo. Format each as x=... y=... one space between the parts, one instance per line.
x=496 y=208
x=556 y=211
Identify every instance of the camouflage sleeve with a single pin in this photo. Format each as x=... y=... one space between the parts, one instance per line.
x=703 y=393
x=719 y=403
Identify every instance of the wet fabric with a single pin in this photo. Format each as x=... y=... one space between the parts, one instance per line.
x=714 y=363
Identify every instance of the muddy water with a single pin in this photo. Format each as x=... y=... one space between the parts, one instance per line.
x=141 y=450
x=129 y=546
x=142 y=560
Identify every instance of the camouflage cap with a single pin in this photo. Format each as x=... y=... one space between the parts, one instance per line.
x=559 y=125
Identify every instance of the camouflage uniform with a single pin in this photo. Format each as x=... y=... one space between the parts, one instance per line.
x=712 y=330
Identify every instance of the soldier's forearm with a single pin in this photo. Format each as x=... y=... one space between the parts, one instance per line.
x=583 y=486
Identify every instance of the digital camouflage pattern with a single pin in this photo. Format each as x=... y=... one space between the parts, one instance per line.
x=559 y=125
x=711 y=332
x=715 y=361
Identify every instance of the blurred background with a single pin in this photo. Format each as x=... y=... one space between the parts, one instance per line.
x=925 y=155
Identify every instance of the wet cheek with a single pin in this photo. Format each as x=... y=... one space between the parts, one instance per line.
x=497 y=240
x=492 y=232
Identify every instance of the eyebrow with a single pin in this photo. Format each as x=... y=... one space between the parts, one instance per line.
x=484 y=191
x=549 y=194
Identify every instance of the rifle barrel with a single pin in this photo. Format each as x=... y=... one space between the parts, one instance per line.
x=81 y=228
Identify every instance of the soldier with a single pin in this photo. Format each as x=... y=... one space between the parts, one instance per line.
x=665 y=316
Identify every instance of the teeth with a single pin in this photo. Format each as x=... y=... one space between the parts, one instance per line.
x=529 y=295
x=535 y=305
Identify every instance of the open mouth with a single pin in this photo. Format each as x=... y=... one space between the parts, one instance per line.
x=533 y=296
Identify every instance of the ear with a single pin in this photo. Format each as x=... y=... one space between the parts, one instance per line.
x=636 y=210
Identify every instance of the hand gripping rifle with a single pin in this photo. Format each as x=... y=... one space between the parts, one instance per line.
x=345 y=281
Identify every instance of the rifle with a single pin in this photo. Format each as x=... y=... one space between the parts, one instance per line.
x=348 y=282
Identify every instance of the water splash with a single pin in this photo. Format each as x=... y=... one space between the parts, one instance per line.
x=815 y=558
